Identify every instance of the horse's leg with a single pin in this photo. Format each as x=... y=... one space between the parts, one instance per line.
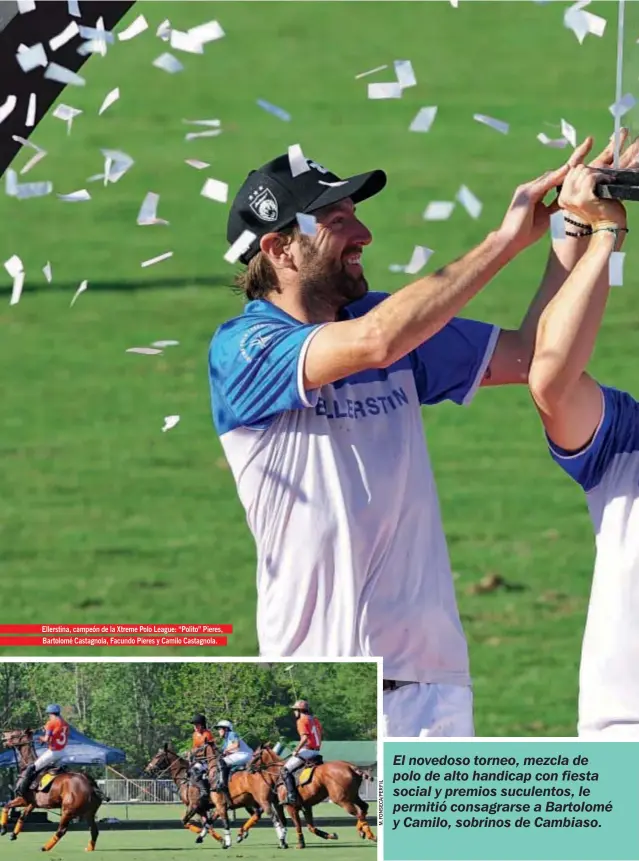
x=94 y=831
x=310 y=824
x=255 y=814
x=4 y=816
x=20 y=823
x=293 y=812
x=222 y=811
x=65 y=819
x=276 y=812
x=359 y=808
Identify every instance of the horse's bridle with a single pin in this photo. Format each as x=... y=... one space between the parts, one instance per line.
x=158 y=774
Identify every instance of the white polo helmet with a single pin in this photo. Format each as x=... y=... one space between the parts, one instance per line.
x=224 y=724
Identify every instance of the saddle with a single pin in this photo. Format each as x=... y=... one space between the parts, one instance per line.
x=303 y=774
x=43 y=779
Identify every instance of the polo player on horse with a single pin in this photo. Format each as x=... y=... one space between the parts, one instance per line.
x=198 y=770
x=56 y=737
x=235 y=753
x=309 y=730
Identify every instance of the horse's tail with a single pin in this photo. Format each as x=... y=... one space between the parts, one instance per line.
x=361 y=773
x=101 y=795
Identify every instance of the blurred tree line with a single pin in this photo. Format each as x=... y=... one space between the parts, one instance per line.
x=137 y=707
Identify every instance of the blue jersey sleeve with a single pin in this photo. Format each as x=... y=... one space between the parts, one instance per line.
x=618 y=432
x=256 y=371
x=451 y=365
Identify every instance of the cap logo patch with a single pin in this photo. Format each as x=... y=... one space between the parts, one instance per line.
x=317 y=167
x=263 y=203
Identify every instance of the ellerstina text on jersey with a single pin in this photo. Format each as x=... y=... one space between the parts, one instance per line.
x=346 y=408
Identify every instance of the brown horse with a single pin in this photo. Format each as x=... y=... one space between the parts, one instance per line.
x=248 y=790
x=167 y=760
x=337 y=781
x=74 y=793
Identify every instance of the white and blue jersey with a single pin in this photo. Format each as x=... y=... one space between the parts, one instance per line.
x=339 y=493
x=608 y=470
x=232 y=737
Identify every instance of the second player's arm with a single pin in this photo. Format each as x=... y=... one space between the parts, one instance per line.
x=569 y=401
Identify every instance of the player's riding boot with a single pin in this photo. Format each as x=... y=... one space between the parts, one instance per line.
x=289 y=782
x=23 y=784
x=223 y=777
x=204 y=786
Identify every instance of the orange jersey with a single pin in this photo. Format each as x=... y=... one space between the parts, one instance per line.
x=201 y=738
x=311 y=728
x=59 y=730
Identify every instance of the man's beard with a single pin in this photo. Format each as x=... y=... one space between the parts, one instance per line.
x=326 y=286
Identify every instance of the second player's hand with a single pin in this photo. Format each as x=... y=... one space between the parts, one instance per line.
x=578 y=197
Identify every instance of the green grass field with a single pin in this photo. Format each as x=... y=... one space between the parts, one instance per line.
x=178 y=845
x=103 y=518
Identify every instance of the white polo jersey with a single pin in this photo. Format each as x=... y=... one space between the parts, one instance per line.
x=339 y=492
x=608 y=470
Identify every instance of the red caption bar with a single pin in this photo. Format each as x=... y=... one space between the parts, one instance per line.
x=116 y=630
x=113 y=641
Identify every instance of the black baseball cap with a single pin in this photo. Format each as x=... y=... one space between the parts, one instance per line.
x=271 y=197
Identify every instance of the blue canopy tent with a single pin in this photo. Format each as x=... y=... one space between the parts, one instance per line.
x=80 y=750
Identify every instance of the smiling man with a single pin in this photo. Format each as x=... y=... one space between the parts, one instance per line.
x=316 y=392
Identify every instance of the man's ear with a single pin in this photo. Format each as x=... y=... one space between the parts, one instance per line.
x=277 y=247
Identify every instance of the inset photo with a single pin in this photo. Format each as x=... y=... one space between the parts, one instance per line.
x=144 y=757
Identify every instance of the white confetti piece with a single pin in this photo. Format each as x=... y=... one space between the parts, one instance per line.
x=307 y=223
x=165 y=344
x=67 y=114
x=164 y=30
x=11 y=183
x=74 y=8
x=170 y=422
x=555 y=143
x=371 y=72
x=471 y=204
x=33 y=189
x=31 y=110
x=48 y=273
x=423 y=120
x=94 y=46
x=626 y=103
x=280 y=113
x=296 y=160
x=168 y=63
x=65 y=36
x=54 y=72
x=33 y=161
x=390 y=90
x=557 y=225
x=420 y=257
x=454 y=4
x=109 y=99
x=582 y=23
x=98 y=32
x=212 y=133
x=25 y=6
x=144 y=351
x=498 y=125
x=438 y=210
x=241 y=244
x=134 y=29
x=157 y=259
x=405 y=74
x=208 y=32
x=148 y=210
x=31 y=57
x=80 y=289
x=198 y=165
x=615 y=268
x=180 y=41
x=7 y=107
x=116 y=164
x=215 y=123
x=568 y=132
x=75 y=196
x=215 y=190
x=15 y=268
x=26 y=142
